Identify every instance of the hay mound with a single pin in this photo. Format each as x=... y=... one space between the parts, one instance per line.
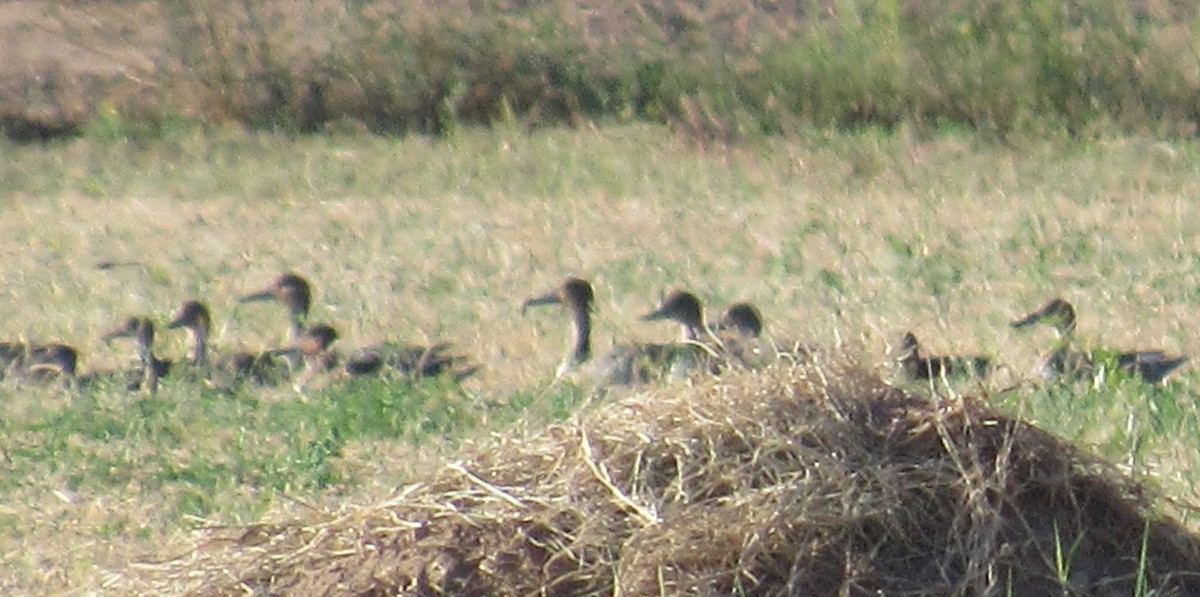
x=792 y=481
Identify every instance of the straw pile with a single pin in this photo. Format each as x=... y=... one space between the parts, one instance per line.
x=797 y=480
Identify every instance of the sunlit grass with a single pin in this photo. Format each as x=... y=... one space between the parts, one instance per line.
x=847 y=239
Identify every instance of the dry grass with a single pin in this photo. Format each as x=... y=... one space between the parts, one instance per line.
x=809 y=479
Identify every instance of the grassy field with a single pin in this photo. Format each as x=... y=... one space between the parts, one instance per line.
x=840 y=239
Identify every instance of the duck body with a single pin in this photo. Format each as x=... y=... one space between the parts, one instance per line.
x=628 y=364
x=1151 y=366
x=409 y=361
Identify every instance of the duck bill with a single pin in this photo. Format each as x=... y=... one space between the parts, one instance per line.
x=546 y=299
x=1030 y=319
x=180 y=321
x=657 y=315
x=121 y=332
x=262 y=295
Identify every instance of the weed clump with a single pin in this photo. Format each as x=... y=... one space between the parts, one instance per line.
x=804 y=479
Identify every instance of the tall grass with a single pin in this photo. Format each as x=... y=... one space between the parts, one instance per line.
x=711 y=69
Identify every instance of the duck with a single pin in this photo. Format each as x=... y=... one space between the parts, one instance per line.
x=1063 y=360
x=315 y=345
x=685 y=309
x=410 y=361
x=742 y=319
x=624 y=364
x=265 y=368
x=294 y=292
x=742 y=329
x=698 y=347
x=150 y=368
x=39 y=363
x=922 y=367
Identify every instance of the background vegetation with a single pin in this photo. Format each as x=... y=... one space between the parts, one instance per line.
x=716 y=70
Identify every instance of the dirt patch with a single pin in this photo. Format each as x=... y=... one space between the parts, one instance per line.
x=813 y=479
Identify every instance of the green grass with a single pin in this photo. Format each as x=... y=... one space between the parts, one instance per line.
x=214 y=441
x=1145 y=428
x=839 y=238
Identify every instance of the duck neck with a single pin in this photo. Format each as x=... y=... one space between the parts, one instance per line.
x=1067 y=331
x=1064 y=322
x=295 y=329
x=145 y=344
x=200 y=347
x=694 y=330
x=1057 y=361
x=149 y=363
x=581 y=347
x=1066 y=334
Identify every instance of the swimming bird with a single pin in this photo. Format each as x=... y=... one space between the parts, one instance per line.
x=1063 y=359
x=624 y=364
x=270 y=367
x=918 y=366
x=150 y=368
x=295 y=293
